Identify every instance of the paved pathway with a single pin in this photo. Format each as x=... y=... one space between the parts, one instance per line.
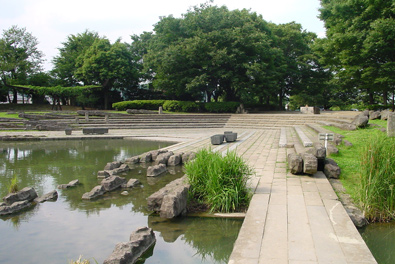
x=291 y=219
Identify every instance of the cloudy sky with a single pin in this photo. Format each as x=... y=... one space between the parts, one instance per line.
x=51 y=21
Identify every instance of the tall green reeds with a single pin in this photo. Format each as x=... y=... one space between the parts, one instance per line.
x=220 y=182
x=377 y=174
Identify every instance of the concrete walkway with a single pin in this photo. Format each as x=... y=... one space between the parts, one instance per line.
x=291 y=219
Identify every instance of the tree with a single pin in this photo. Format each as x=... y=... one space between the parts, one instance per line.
x=209 y=53
x=19 y=57
x=109 y=65
x=65 y=64
x=359 y=45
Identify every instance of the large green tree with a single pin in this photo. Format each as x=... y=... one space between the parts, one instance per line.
x=19 y=58
x=87 y=59
x=109 y=65
x=359 y=46
x=65 y=63
x=210 y=52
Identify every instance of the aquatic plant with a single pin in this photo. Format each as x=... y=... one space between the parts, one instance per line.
x=81 y=261
x=220 y=182
x=377 y=175
x=13 y=186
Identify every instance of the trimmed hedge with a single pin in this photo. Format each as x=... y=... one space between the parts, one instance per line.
x=221 y=107
x=181 y=106
x=138 y=104
x=178 y=106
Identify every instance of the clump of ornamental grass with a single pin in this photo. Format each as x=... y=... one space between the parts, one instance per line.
x=13 y=186
x=220 y=182
x=377 y=175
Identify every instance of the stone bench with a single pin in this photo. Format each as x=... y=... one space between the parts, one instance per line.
x=95 y=130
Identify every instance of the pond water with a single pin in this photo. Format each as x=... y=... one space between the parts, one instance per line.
x=57 y=232
x=380 y=238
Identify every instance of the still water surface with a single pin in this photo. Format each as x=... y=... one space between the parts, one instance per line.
x=56 y=232
x=380 y=238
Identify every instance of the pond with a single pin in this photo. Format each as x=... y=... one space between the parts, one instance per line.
x=57 y=232
x=380 y=238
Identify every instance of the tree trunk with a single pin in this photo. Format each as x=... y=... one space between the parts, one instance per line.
x=385 y=97
x=15 y=96
x=371 y=98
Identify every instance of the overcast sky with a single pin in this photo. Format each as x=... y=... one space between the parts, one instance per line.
x=51 y=21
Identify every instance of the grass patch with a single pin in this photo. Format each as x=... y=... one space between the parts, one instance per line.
x=6 y=115
x=368 y=171
x=379 y=122
x=220 y=182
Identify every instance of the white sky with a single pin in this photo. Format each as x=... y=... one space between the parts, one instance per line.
x=51 y=21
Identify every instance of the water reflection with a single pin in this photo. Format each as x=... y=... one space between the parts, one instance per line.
x=212 y=238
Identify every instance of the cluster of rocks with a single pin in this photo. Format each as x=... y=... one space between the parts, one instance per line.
x=25 y=198
x=109 y=184
x=362 y=120
x=111 y=181
x=171 y=200
x=129 y=252
x=313 y=160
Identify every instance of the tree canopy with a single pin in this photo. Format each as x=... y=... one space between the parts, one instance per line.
x=359 y=47
x=212 y=53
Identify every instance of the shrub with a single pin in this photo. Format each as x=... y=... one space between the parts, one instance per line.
x=181 y=106
x=138 y=104
x=377 y=173
x=221 y=107
x=220 y=182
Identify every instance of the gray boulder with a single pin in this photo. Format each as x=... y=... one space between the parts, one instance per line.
x=375 y=115
x=295 y=163
x=14 y=207
x=309 y=163
x=174 y=160
x=112 y=165
x=129 y=252
x=120 y=169
x=349 y=127
x=72 y=183
x=146 y=157
x=156 y=170
x=104 y=174
x=163 y=158
x=171 y=200
x=332 y=149
x=132 y=160
x=131 y=183
x=360 y=121
x=51 y=196
x=26 y=194
x=188 y=156
x=94 y=193
x=113 y=182
x=347 y=143
x=156 y=153
x=331 y=169
x=384 y=114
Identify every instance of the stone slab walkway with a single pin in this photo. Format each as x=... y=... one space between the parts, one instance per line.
x=291 y=219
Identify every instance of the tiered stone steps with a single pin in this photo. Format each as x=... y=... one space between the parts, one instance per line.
x=278 y=120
